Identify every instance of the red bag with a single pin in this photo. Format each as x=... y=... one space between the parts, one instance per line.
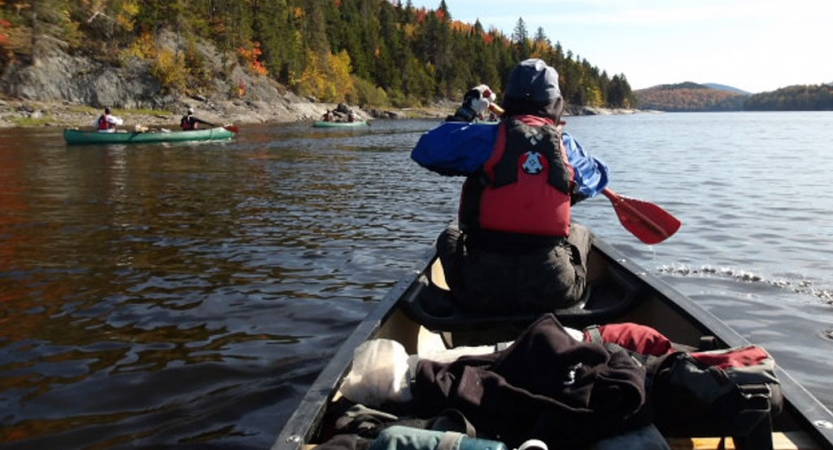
x=728 y=392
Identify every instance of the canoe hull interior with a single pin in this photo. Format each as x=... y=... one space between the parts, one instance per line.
x=621 y=291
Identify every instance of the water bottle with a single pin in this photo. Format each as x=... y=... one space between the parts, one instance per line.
x=467 y=443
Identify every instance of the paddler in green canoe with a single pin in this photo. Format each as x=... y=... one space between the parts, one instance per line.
x=191 y=122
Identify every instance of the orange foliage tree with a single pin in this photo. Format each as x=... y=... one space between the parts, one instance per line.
x=251 y=54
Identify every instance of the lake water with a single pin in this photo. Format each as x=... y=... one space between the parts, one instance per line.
x=158 y=296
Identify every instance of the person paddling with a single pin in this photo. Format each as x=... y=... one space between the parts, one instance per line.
x=191 y=122
x=516 y=248
x=107 y=122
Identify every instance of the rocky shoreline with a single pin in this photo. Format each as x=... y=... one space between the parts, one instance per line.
x=62 y=90
x=64 y=114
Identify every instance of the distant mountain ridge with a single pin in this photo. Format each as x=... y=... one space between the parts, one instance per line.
x=694 y=97
x=689 y=97
x=723 y=87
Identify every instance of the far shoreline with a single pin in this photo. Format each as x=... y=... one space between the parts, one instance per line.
x=16 y=113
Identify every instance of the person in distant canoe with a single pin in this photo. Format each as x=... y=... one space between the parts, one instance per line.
x=342 y=108
x=191 y=122
x=107 y=122
x=515 y=249
x=328 y=116
x=353 y=117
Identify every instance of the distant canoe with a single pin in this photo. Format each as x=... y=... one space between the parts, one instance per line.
x=332 y=124
x=73 y=136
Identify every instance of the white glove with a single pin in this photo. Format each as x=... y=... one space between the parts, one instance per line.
x=480 y=98
x=486 y=93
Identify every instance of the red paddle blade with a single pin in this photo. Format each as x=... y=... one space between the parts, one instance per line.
x=232 y=128
x=647 y=221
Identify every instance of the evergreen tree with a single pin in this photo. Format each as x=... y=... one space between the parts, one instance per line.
x=520 y=39
x=412 y=55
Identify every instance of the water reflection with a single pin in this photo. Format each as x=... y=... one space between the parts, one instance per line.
x=188 y=294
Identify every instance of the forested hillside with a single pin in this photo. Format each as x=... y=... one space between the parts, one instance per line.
x=793 y=98
x=688 y=97
x=366 y=52
x=695 y=97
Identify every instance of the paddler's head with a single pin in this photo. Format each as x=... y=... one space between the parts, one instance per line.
x=533 y=89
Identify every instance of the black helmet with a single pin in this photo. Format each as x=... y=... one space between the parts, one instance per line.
x=533 y=89
x=533 y=80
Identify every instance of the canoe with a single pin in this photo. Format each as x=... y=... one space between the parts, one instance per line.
x=333 y=124
x=75 y=136
x=416 y=313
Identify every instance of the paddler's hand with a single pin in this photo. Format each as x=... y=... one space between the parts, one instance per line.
x=479 y=98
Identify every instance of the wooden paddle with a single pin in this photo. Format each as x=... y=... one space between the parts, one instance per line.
x=647 y=221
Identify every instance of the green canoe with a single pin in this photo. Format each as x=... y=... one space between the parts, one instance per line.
x=325 y=124
x=73 y=136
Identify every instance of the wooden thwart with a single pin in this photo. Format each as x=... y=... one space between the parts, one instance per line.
x=780 y=441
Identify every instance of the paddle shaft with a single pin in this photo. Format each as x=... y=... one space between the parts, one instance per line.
x=496 y=109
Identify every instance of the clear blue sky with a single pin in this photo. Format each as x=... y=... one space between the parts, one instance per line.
x=754 y=45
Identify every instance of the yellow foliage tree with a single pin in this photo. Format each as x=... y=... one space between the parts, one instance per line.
x=340 y=70
x=326 y=77
x=169 y=69
x=594 y=96
x=127 y=13
x=143 y=48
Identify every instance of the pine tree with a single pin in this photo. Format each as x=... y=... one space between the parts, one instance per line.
x=520 y=40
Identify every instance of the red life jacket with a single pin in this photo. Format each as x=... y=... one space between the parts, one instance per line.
x=527 y=182
x=103 y=124
x=187 y=124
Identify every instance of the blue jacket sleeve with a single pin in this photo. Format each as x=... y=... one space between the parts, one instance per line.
x=591 y=174
x=455 y=148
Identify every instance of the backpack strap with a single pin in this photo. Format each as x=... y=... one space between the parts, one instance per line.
x=760 y=438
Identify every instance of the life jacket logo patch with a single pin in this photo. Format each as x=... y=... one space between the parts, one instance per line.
x=532 y=163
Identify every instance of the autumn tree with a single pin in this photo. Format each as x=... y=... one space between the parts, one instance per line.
x=391 y=50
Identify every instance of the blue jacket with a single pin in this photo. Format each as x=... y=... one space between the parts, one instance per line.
x=456 y=148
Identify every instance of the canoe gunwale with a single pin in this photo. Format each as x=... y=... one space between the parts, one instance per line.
x=300 y=428
x=798 y=398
